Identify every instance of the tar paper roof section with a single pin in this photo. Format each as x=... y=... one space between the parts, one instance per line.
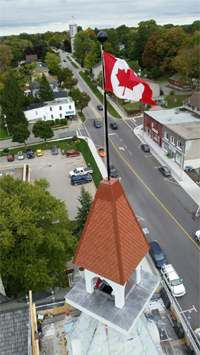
x=193 y=100
x=172 y=116
x=112 y=243
x=186 y=131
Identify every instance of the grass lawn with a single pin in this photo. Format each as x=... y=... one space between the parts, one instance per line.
x=132 y=106
x=175 y=100
x=165 y=77
x=3 y=134
x=81 y=146
x=110 y=108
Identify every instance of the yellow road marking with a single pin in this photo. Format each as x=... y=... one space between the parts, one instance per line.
x=153 y=194
x=99 y=118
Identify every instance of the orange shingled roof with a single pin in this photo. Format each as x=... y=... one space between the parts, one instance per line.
x=112 y=243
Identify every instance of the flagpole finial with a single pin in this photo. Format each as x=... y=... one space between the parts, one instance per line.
x=102 y=36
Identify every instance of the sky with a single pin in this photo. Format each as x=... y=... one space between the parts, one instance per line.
x=39 y=16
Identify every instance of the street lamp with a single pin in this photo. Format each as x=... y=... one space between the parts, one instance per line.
x=5 y=124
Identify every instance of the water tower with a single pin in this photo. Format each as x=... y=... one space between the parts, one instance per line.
x=73 y=30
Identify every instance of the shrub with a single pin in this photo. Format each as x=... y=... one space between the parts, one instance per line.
x=161 y=92
x=63 y=121
x=172 y=92
x=52 y=123
x=74 y=138
x=57 y=120
x=49 y=122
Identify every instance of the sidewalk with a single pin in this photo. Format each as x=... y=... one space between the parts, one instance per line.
x=178 y=174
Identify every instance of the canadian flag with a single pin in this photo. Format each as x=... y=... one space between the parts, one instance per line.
x=123 y=82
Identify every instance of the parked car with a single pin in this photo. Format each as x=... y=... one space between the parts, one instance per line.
x=197 y=236
x=10 y=157
x=6 y=150
x=97 y=124
x=113 y=125
x=165 y=170
x=79 y=180
x=72 y=153
x=80 y=171
x=157 y=254
x=54 y=150
x=101 y=152
x=39 y=152
x=173 y=281
x=30 y=153
x=113 y=171
x=100 y=107
x=145 y=147
x=20 y=155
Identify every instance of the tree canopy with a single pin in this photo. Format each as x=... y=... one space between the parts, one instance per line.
x=12 y=102
x=53 y=62
x=187 y=65
x=81 y=99
x=82 y=45
x=85 y=200
x=34 y=239
x=45 y=90
x=20 y=133
x=42 y=130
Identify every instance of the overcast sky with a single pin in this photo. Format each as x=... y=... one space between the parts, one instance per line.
x=39 y=16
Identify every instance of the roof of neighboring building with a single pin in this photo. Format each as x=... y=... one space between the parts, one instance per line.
x=60 y=94
x=32 y=56
x=28 y=61
x=64 y=99
x=112 y=243
x=52 y=78
x=149 y=80
x=185 y=130
x=174 y=115
x=174 y=77
x=96 y=65
x=193 y=100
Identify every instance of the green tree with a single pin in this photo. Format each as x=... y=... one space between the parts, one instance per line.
x=12 y=102
x=42 y=130
x=20 y=133
x=63 y=74
x=34 y=239
x=45 y=90
x=6 y=57
x=81 y=99
x=85 y=200
x=187 y=65
x=134 y=66
x=150 y=56
x=82 y=45
x=53 y=62
x=169 y=46
x=69 y=83
x=145 y=30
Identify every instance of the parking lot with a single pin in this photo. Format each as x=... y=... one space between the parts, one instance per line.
x=55 y=168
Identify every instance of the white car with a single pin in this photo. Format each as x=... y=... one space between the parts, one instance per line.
x=20 y=155
x=197 y=235
x=173 y=281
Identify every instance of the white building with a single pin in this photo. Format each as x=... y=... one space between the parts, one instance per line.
x=50 y=110
x=73 y=31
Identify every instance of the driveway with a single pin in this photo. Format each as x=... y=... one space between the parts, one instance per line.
x=55 y=168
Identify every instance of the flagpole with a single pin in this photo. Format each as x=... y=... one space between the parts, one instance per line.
x=102 y=37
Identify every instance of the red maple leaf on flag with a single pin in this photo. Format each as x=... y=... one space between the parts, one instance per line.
x=124 y=79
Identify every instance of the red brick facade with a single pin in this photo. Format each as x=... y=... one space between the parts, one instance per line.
x=153 y=128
